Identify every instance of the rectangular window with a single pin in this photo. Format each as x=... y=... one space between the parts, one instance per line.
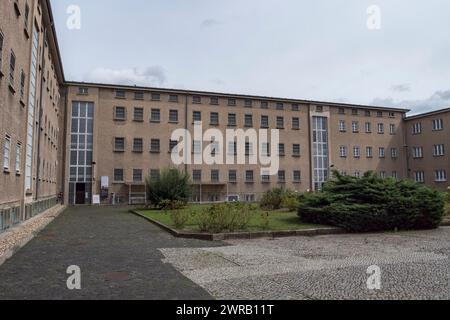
x=341 y=110
x=368 y=127
x=197 y=147
x=280 y=123
x=232 y=148
x=232 y=176
x=138 y=145
x=214 y=118
x=356 y=152
x=197 y=116
x=355 y=112
x=381 y=128
x=281 y=149
x=173 y=98
x=296 y=150
x=173 y=146
x=343 y=152
x=137 y=175
x=82 y=91
x=214 y=101
x=394 y=153
x=295 y=107
x=248 y=149
x=438 y=125
x=265 y=149
x=12 y=67
x=249 y=178
x=139 y=96
x=22 y=85
x=120 y=113
x=232 y=119
x=1 y=51
x=118 y=175
x=197 y=175
x=264 y=121
x=382 y=152
x=155 y=146
x=264 y=105
x=391 y=114
x=232 y=102
x=173 y=116
x=156 y=97
x=120 y=94
x=119 y=144
x=368 y=113
x=155 y=116
x=281 y=176
x=196 y=99
x=438 y=150
x=215 y=176
x=392 y=129
x=265 y=178
x=383 y=174
x=280 y=106
x=395 y=175
x=7 y=153
x=248 y=103
x=417 y=128
x=18 y=157
x=355 y=126
x=297 y=176
x=342 y=127
x=417 y=152
x=138 y=114
x=248 y=120
x=369 y=152
x=440 y=176
x=295 y=123
x=380 y=114
x=419 y=176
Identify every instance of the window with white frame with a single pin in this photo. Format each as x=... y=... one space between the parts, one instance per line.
x=438 y=150
x=342 y=127
x=355 y=126
x=383 y=174
x=417 y=128
x=392 y=129
x=419 y=176
x=417 y=152
x=381 y=128
x=368 y=127
x=343 y=152
x=357 y=152
x=357 y=174
x=369 y=152
x=395 y=175
x=394 y=153
x=18 y=157
x=382 y=152
x=438 y=124
x=6 y=153
x=440 y=176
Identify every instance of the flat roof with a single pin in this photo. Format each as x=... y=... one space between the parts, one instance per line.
x=427 y=114
x=230 y=95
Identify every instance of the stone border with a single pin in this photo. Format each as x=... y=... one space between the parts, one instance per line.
x=17 y=237
x=243 y=235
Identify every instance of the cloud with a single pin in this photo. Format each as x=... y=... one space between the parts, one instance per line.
x=208 y=23
x=150 y=76
x=404 y=87
x=438 y=100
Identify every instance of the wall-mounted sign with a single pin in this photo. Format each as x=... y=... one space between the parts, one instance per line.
x=96 y=199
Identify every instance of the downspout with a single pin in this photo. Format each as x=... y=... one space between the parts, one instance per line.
x=38 y=170
x=406 y=147
x=311 y=183
x=64 y=147
x=186 y=130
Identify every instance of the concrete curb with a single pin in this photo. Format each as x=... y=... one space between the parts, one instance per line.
x=243 y=235
x=9 y=253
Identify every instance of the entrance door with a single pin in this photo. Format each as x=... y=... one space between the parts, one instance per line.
x=80 y=193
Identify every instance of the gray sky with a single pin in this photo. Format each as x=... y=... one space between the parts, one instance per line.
x=317 y=49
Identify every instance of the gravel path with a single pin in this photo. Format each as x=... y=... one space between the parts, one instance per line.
x=414 y=265
x=116 y=251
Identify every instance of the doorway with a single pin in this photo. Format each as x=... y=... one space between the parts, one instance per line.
x=80 y=192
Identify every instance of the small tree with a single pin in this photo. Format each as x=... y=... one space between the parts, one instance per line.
x=173 y=186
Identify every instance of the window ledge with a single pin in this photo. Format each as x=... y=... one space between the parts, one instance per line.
x=138 y=120
x=22 y=102
x=11 y=88
x=173 y=122
x=119 y=151
x=155 y=152
x=155 y=121
x=6 y=170
x=26 y=32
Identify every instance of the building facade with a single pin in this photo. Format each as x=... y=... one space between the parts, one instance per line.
x=86 y=141
x=30 y=78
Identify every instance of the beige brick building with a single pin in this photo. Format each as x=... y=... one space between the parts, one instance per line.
x=83 y=139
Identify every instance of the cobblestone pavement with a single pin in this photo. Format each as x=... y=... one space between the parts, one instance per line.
x=414 y=265
x=116 y=251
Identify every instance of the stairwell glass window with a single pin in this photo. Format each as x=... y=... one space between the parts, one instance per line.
x=440 y=176
x=438 y=150
x=438 y=125
x=6 y=153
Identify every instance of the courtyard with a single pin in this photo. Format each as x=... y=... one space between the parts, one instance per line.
x=122 y=256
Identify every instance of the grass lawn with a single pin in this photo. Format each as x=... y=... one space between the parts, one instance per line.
x=278 y=220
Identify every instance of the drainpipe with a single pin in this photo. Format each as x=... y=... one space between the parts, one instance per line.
x=38 y=170
x=311 y=182
x=63 y=147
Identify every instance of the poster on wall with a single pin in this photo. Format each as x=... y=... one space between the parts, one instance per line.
x=96 y=199
x=105 y=182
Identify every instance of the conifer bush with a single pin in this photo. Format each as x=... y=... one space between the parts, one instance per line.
x=370 y=204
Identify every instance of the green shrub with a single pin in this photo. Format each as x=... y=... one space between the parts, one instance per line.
x=373 y=204
x=290 y=201
x=179 y=218
x=265 y=221
x=225 y=217
x=171 y=189
x=273 y=199
x=172 y=204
